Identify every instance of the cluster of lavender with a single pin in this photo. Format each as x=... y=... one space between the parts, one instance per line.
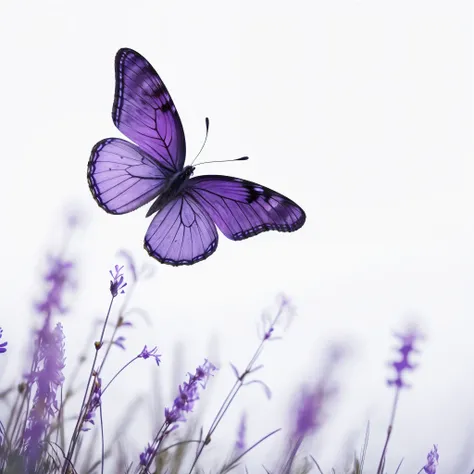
x=33 y=437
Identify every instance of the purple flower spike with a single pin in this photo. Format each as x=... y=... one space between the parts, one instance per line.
x=432 y=461
x=310 y=410
x=308 y=418
x=58 y=277
x=241 y=432
x=408 y=340
x=48 y=378
x=183 y=403
x=94 y=403
x=145 y=354
x=145 y=456
x=203 y=372
x=3 y=345
x=188 y=393
x=117 y=284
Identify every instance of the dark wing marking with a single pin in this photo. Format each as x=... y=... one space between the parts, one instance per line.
x=144 y=111
x=242 y=209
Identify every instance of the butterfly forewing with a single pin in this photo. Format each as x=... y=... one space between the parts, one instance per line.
x=144 y=111
x=122 y=177
x=182 y=233
x=242 y=209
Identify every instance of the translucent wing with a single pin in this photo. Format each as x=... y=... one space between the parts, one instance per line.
x=144 y=112
x=242 y=209
x=122 y=177
x=182 y=233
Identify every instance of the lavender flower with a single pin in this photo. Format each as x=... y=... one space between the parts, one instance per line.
x=94 y=403
x=146 y=455
x=145 y=354
x=3 y=345
x=432 y=461
x=241 y=432
x=58 y=277
x=119 y=342
x=183 y=403
x=48 y=378
x=408 y=340
x=309 y=411
x=117 y=284
x=269 y=323
x=188 y=393
x=312 y=400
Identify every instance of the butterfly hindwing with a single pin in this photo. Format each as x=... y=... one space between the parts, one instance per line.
x=122 y=177
x=242 y=209
x=182 y=233
x=144 y=111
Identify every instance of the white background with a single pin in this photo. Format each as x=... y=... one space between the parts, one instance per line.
x=360 y=111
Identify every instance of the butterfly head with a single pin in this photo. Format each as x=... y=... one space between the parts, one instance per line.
x=187 y=172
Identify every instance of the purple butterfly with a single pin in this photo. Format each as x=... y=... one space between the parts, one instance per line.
x=123 y=176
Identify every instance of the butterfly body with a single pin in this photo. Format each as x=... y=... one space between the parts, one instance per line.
x=124 y=176
x=173 y=189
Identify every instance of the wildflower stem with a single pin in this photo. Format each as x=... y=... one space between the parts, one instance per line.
x=236 y=388
x=155 y=445
x=317 y=465
x=61 y=433
x=13 y=414
x=389 y=430
x=232 y=463
x=399 y=466
x=291 y=457
x=84 y=405
x=34 y=365
x=102 y=439
x=119 y=372
x=117 y=325
x=179 y=443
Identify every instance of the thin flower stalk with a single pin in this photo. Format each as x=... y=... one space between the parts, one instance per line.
x=234 y=462
x=241 y=380
x=120 y=323
x=90 y=394
x=309 y=412
x=135 y=277
x=144 y=354
x=408 y=340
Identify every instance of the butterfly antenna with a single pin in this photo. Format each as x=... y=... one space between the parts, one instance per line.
x=242 y=158
x=215 y=161
x=205 y=139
